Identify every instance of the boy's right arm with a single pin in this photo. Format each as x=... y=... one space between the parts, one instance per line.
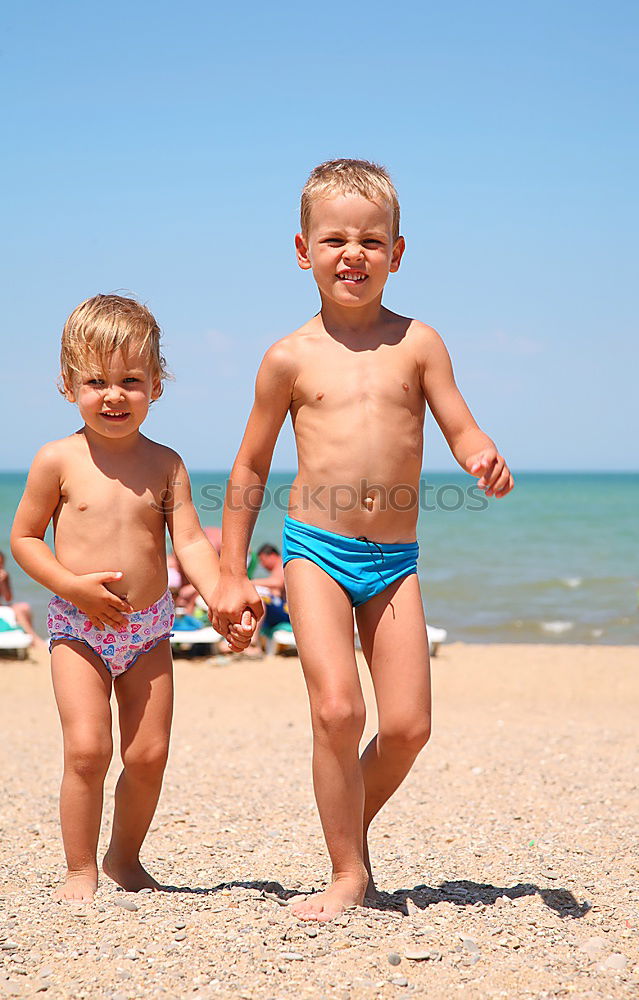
x=37 y=506
x=273 y=393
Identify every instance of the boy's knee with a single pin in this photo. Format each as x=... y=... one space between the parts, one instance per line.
x=88 y=758
x=410 y=736
x=147 y=761
x=340 y=716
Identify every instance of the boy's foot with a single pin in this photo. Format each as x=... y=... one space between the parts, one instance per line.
x=344 y=893
x=78 y=887
x=130 y=874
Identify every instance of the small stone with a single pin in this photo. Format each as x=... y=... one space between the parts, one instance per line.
x=419 y=956
x=127 y=904
x=616 y=962
x=593 y=947
x=9 y=945
x=412 y=908
x=469 y=943
x=180 y=936
x=291 y=956
x=393 y=958
x=399 y=981
x=180 y=926
x=310 y=932
x=45 y=973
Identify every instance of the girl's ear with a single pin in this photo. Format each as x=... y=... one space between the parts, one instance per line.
x=68 y=392
x=398 y=253
x=301 y=249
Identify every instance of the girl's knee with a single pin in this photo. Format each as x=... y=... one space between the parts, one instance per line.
x=88 y=757
x=339 y=717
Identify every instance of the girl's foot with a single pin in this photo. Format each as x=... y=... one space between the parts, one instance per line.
x=345 y=892
x=129 y=874
x=78 y=887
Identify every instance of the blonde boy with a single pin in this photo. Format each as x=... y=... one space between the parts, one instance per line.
x=111 y=493
x=355 y=379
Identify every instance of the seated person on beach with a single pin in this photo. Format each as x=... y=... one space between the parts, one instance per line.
x=112 y=494
x=356 y=379
x=272 y=588
x=21 y=609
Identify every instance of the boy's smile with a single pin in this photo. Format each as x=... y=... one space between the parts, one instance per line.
x=350 y=248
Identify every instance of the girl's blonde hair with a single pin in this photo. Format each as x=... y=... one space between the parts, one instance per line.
x=370 y=180
x=98 y=328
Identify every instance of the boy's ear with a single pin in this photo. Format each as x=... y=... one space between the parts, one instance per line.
x=398 y=253
x=301 y=249
x=156 y=389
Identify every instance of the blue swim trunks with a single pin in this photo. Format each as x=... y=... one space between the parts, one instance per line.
x=362 y=567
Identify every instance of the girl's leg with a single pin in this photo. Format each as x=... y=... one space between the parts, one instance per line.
x=145 y=702
x=392 y=632
x=82 y=687
x=322 y=619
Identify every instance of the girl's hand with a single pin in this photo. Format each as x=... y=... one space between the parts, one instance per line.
x=495 y=476
x=239 y=636
x=102 y=608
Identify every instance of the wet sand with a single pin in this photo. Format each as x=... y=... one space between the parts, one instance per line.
x=508 y=861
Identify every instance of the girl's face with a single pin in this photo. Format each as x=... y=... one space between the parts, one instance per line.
x=114 y=403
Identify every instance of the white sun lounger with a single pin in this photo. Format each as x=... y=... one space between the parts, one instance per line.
x=13 y=640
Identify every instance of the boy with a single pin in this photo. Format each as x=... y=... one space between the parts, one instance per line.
x=356 y=380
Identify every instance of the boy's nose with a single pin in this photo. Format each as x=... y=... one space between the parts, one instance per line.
x=352 y=251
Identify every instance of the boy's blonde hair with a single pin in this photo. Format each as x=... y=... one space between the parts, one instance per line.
x=98 y=328
x=370 y=180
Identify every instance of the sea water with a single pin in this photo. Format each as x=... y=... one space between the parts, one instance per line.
x=555 y=561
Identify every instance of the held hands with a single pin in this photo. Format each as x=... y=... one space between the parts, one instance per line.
x=235 y=610
x=495 y=476
x=102 y=608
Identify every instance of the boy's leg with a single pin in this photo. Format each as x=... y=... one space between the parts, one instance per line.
x=82 y=687
x=322 y=618
x=145 y=703
x=393 y=635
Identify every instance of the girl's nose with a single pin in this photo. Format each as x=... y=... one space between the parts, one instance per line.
x=113 y=392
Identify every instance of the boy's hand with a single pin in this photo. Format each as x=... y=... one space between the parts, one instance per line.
x=232 y=599
x=496 y=478
x=102 y=608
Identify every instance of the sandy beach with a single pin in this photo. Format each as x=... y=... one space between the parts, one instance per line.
x=508 y=862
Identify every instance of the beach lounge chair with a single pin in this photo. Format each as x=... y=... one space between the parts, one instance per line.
x=189 y=632
x=12 y=637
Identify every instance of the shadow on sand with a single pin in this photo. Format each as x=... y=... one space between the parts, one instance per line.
x=461 y=893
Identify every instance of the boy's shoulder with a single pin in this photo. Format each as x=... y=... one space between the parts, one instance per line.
x=160 y=454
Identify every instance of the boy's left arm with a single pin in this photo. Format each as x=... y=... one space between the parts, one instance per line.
x=197 y=556
x=472 y=448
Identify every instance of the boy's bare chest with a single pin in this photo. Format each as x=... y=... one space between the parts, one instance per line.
x=354 y=379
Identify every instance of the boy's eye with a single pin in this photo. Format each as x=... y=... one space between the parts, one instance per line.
x=372 y=243
x=334 y=241
x=95 y=381
x=131 y=378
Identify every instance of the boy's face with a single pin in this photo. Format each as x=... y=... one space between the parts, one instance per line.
x=350 y=248
x=114 y=403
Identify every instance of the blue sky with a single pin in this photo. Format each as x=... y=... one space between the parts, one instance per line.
x=161 y=148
